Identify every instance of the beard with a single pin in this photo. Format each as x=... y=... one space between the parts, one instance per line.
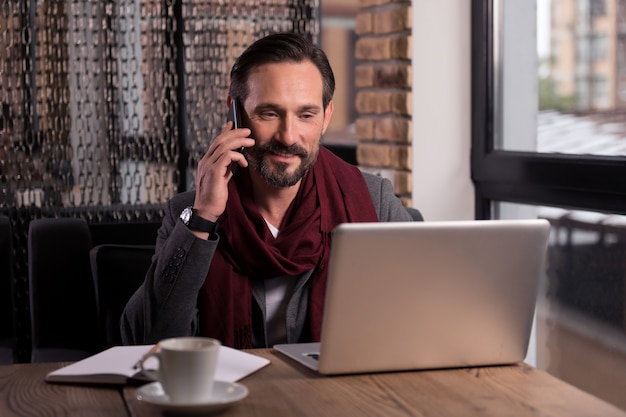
x=275 y=174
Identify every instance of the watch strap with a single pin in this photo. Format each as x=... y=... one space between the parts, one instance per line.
x=200 y=224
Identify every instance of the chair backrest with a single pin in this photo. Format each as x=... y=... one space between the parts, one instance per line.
x=118 y=270
x=8 y=336
x=415 y=214
x=64 y=324
x=125 y=233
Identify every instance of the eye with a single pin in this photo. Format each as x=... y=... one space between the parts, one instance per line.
x=268 y=115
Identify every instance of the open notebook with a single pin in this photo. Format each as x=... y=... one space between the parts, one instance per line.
x=426 y=295
x=116 y=366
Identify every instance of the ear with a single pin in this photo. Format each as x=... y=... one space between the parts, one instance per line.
x=229 y=100
x=327 y=115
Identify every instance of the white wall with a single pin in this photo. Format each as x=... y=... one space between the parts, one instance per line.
x=442 y=188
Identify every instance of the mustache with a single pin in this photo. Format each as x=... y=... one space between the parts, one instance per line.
x=280 y=149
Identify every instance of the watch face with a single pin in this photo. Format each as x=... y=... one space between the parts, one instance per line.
x=186 y=215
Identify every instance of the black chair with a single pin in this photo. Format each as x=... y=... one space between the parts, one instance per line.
x=415 y=213
x=118 y=270
x=8 y=335
x=64 y=323
x=125 y=233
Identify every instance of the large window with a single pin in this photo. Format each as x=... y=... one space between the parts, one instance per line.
x=549 y=140
x=506 y=162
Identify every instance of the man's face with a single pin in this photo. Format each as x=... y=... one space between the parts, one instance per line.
x=285 y=113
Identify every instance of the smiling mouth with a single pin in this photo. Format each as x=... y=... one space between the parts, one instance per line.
x=284 y=154
x=278 y=151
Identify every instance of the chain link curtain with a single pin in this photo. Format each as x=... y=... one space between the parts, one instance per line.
x=108 y=105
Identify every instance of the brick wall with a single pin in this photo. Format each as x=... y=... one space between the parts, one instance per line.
x=383 y=84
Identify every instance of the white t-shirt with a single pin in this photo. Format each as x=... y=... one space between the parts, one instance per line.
x=278 y=290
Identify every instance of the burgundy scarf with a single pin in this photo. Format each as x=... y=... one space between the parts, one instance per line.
x=332 y=192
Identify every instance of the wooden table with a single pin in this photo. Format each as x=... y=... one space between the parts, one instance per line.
x=286 y=388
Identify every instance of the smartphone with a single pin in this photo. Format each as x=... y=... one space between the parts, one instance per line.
x=235 y=115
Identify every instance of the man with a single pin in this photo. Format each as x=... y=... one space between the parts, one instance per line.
x=259 y=278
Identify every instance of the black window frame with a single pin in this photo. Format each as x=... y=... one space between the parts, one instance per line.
x=580 y=182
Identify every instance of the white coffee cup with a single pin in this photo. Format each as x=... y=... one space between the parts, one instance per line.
x=186 y=368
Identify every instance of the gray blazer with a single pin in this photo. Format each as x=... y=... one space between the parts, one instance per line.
x=165 y=304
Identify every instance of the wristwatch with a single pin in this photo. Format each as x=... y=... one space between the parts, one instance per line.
x=193 y=221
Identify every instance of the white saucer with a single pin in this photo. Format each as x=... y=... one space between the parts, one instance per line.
x=224 y=394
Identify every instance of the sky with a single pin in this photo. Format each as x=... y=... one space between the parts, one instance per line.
x=543 y=27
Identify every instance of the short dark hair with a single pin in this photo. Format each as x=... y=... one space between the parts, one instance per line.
x=276 y=48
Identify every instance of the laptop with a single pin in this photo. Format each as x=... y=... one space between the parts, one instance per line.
x=427 y=295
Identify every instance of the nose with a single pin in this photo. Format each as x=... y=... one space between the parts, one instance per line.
x=286 y=131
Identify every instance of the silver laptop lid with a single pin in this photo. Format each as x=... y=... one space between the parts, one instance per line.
x=431 y=294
